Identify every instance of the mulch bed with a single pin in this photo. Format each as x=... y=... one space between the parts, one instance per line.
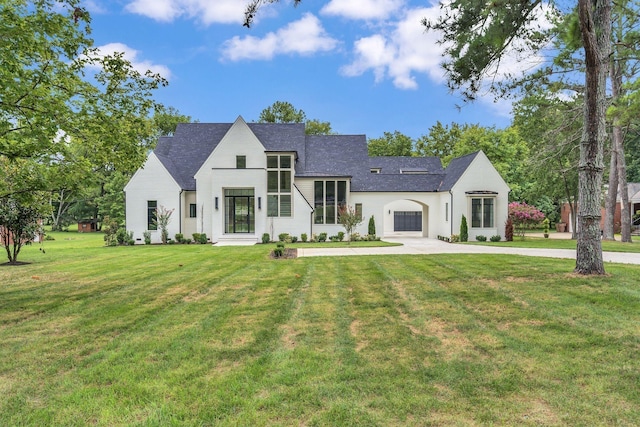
x=15 y=264
x=289 y=253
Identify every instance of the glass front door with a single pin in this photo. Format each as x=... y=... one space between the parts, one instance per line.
x=239 y=211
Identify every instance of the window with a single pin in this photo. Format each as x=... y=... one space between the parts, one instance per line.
x=375 y=170
x=152 y=205
x=192 y=210
x=446 y=212
x=241 y=162
x=359 y=210
x=328 y=197
x=279 y=177
x=482 y=212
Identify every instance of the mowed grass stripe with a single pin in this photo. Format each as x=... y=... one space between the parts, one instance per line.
x=235 y=338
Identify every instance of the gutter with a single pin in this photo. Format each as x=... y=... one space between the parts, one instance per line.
x=451 y=213
x=180 y=211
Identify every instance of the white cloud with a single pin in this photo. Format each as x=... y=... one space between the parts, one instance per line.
x=397 y=55
x=303 y=37
x=206 y=11
x=131 y=55
x=362 y=9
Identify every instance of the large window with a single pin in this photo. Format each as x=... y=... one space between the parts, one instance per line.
x=241 y=162
x=482 y=212
x=279 y=175
x=328 y=197
x=152 y=205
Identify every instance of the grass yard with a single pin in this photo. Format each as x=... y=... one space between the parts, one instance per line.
x=200 y=335
x=540 y=242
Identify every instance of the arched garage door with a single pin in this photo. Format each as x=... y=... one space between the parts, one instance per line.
x=407 y=221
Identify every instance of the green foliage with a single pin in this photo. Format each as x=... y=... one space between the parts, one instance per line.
x=200 y=238
x=455 y=238
x=481 y=238
x=285 y=112
x=162 y=220
x=266 y=238
x=349 y=219
x=322 y=237
x=147 y=237
x=110 y=229
x=464 y=229
x=304 y=237
x=372 y=226
x=294 y=239
x=391 y=144
x=123 y=237
x=166 y=119
x=279 y=250
x=496 y=238
x=283 y=236
x=18 y=225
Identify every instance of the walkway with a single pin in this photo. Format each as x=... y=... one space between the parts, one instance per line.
x=424 y=246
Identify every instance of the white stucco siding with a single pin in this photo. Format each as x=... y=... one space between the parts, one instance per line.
x=189 y=224
x=480 y=176
x=295 y=225
x=151 y=182
x=379 y=206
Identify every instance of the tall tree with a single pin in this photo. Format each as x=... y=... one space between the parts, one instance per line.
x=65 y=108
x=285 y=112
x=391 y=144
x=477 y=35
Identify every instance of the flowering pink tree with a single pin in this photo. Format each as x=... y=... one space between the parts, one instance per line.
x=523 y=216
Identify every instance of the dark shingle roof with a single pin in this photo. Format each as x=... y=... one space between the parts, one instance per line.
x=454 y=171
x=317 y=156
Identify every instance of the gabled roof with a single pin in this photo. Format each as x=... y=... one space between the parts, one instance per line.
x=184 y=153
x=456 y=168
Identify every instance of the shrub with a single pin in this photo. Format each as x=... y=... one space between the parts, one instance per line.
x=322 y=237
x=179 y=237
x=340 y=236
x=147 y=237
x=294 y=239
x=48 y=237
x=279 y=250
x=455 y=238
x=162 y=220
x=334 y=238
x=123 y=237
x=524 y=216
x=372 y=226
x=464 y=229
x=496 y=238
x=266 y=238
x=508 y=230
x=200 y=238
x=304 y=237
x=283 y=236
x=481 y=238
x=545 y=225
x=355 y=237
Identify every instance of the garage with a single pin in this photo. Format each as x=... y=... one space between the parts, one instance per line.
x=407 y=221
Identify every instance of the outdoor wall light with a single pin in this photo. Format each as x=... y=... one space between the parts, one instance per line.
x=259 y=202
x=216 y=203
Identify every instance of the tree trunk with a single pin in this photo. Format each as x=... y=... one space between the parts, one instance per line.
x=612 y=197
x=617 y=141
x=595 y=27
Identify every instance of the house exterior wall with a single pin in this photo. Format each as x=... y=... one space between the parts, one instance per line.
x=189 y=225
x=480 y=176
x=378 y=205
x=151 y=182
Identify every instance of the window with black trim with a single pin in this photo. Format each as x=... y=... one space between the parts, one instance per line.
x=328 y=197
x=152 y=206
x=279 y=176
x=482 y=212
x=241 y=162
x=192 y=210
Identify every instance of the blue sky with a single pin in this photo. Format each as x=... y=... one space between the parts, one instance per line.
x=365 y=66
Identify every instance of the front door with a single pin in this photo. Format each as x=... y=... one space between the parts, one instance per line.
x=239 y=211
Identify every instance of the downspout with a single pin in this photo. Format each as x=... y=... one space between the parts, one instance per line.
x=180 y=211
x=451 y=213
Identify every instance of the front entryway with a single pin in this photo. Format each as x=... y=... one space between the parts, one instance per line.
x=407 y=221
x=239 y=205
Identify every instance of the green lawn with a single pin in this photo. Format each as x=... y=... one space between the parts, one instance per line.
x=205 y=335
x=539 y=242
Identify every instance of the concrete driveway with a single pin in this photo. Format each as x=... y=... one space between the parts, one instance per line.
x=423 y=246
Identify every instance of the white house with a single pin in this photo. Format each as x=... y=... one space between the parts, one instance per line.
x=236 y=181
